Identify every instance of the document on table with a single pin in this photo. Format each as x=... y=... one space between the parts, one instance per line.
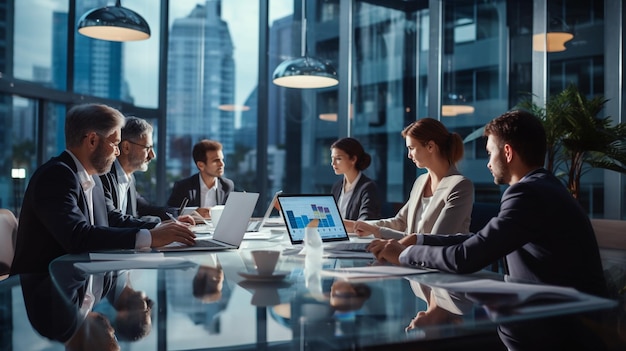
x=500 y=294
x=365 y=272
x=104 y=262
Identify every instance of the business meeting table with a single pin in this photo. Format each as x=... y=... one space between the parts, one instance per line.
x=215 y=300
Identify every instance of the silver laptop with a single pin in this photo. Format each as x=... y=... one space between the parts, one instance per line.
x=255 y=224
x=230 y=229
x=298 y=210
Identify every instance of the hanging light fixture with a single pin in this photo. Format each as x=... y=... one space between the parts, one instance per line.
x=554 y=40
x=454 y=105
x=453 y=102
x=304 y=72
x=114 y=23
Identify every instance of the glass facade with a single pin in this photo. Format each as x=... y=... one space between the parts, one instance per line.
x=206 y=72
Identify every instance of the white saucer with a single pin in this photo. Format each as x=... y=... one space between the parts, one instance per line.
x=276 y=276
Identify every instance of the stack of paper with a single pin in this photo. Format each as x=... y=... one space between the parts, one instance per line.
x=104 y=262
x=366 y=272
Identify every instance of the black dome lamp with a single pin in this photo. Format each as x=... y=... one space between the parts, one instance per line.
x=305 y=72
x=114 y=23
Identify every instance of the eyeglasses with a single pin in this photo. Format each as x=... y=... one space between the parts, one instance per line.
x=147 y=147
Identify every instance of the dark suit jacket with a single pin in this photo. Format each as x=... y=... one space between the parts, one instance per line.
x=137 y=206
x=190 y=188
x=542 y=230
x=365 y=201
x=54 y=219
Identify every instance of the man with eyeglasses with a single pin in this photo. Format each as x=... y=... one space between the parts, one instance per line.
x=136 y=152
x=64 y=209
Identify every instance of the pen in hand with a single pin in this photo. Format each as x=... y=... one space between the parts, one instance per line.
x=173 y=218
x=182 y=206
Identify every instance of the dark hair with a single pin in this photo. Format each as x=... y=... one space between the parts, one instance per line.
x=135 y=128
x=353 y=148
x=86 y=118
x=201 y=148
x=524 y=132
x=427 y=129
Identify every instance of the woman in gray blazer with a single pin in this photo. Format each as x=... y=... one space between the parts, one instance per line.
x=441 y=199
x=356 y=194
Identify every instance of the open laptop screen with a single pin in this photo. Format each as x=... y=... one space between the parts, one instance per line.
x=298 y=210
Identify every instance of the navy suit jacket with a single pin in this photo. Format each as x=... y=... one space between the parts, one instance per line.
x=190 y=188
x=542 y=230
x=365 y=201
x=54 y=219
x=137 y=205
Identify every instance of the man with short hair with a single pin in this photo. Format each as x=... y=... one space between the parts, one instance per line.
x=542 y=230
x=64 y=210
x=136 y=152
x=208 y=187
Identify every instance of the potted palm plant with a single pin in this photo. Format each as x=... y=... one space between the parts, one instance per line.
x=578 y=139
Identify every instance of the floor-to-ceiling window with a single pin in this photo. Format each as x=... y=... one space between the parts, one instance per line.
x=463 y=62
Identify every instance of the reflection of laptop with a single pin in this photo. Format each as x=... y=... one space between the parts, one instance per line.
x=231 y=227
x=298 y=210
x=255 y=224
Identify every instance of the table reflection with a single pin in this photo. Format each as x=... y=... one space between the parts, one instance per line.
x=208 y=304
x=86 y=311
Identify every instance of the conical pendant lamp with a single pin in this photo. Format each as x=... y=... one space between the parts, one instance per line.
x=305 y=72
x=114 y=23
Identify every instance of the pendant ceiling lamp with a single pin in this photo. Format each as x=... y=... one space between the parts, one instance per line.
x=305 y=72
x=114 y=23
x=554 y=40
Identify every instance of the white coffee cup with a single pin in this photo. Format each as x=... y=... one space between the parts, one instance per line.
x=265 y=261
x=216 y=212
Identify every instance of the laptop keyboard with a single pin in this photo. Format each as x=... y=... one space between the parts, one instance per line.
x=357 y=247
x=207 y=243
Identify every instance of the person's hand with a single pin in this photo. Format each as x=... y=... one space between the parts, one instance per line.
x=187 y=219
x=408 y=240
x=204 y=212
x=349 y=224
x=364 y=229
x=169 y=232
x=386 y=250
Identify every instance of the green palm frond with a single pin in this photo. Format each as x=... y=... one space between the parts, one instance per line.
x=578 y=140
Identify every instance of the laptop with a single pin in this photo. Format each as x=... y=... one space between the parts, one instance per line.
x=230 y=229
x=298 y=210
x=255 y=224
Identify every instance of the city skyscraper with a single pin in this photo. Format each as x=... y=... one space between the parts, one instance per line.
x=201 y=73
x=99 y=64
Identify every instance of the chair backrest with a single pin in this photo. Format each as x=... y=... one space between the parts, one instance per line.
x=610 y=233
x=8 y=233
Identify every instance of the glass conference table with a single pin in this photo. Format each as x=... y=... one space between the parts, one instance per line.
x=202 y=300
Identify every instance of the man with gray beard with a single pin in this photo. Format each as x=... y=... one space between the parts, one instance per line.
x=136 y=152
x=64 y=211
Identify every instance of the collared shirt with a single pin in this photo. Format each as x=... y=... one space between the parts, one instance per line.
x=419 y=213
x=86 y=182
x=143 y=239
x=123 y=184
x=346 y=194
x=208 y=196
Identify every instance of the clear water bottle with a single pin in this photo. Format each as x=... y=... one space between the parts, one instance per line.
x=313 y=249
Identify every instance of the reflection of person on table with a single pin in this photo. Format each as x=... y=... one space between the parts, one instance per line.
x=441 y=199
x=132 y=309
x=441 y=309
x=346 y=296
x=208 y=283
x=60 y=307
x=201 y=293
